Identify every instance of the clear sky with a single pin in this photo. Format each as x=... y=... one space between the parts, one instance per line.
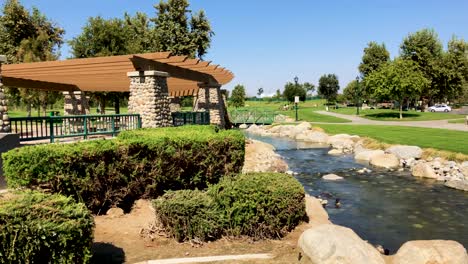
x=268 y=42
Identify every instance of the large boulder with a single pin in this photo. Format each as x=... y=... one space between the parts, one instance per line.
x=405 y=152
x=367 y=155
x=332 y=244
x=332 y=177
x=243 y=126
x=388 y=161
x=313 y=137
x=431 y=251
x=254 y=129
x=458 y=184
x=423 y=170
x=315 y=211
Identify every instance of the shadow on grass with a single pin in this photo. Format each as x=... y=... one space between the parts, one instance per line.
x=106 y=253
x=395 y=115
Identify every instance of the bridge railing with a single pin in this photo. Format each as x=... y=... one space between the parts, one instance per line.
x=252 y=116
x=190 y=118
x=53 y=127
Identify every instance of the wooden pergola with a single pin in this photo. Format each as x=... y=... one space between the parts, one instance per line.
x=109 y=74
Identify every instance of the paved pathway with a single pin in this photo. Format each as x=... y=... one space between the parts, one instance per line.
x=356 y=120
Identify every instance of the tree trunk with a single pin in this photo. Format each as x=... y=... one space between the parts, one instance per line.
x=401 y=109
x=103 y=105
x=117 y=105
x=28 y=108
x=44 y=108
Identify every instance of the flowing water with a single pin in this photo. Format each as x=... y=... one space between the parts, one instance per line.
x=385 y=208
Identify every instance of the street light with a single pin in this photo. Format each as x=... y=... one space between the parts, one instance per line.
x=296 y=98
x=357 y=94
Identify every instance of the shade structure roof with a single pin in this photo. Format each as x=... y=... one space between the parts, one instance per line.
x=109 y=74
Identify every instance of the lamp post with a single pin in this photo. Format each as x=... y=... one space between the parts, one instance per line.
x=357 y=93
x=296 y=98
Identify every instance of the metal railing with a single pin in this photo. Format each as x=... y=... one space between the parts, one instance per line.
x=190 y=118
x=252 y=116
x=53 y=127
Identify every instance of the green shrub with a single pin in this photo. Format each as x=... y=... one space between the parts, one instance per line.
x=188 y=214
x=259 y=205
x=41 y=228
x=138 y=164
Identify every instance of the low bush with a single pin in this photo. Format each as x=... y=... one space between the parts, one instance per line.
x=138 y=164
x=43 y=228
x=259 y=205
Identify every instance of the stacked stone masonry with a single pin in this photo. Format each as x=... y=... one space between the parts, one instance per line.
x=149 y=97
x=175 y=104
x=4 y=119
x=210 y=99
x=76 y=103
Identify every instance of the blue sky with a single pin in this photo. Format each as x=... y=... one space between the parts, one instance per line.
x=268 y=42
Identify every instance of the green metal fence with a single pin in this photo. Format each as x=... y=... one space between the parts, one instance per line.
x=190 y=118
x=252 y=116
x=53 y=127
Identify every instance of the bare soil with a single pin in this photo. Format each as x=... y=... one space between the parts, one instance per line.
x=119 y=239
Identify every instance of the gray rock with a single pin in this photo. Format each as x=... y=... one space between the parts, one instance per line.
x=332 y=177
x=458 y=184
x=431 y=251
x=332 y=244
x=335 y=152
x=115 y=212
x=388 y=161
x=423 y=170
x=243 y=126
x=405 y=152
x=367 y=155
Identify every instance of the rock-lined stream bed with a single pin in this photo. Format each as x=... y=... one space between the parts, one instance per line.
x=384 y=207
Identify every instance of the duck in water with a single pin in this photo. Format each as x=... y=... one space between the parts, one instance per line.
x=337 y=203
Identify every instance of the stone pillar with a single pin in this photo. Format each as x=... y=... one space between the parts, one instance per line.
x=175 y=104
x=4 y=119
x=209 y=99
x=76 y=103
x=149 y=97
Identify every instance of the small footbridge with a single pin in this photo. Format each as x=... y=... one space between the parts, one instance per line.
x=252 y=116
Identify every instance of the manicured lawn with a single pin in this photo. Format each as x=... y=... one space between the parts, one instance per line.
x=393 y=115
x=308 y=114
x=443 y=139
x=457 y=121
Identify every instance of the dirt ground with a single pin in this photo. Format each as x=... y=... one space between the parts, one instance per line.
x=118 y=239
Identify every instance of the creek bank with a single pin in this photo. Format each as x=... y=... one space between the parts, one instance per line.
x=325 y=242
x=453 y=174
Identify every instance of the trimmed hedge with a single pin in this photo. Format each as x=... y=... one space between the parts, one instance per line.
x=42 y=228
x=138 y=164
x=259 y=205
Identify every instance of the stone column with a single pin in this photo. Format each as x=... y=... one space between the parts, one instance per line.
x=4 y=119
x=175 y=104
x=209 y=99
x=76 y=103
x=149 y=97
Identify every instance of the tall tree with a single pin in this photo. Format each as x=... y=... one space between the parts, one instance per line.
x=398 y=80
x=349 y=92
x=309 y=87
x=425 y=49
x=238 y=96
x=174 y=33
x=29 y=37
x=292 y=90
x=328 y=87
x=374 y=56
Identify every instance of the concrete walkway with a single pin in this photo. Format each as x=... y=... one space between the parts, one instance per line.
x=356 y=120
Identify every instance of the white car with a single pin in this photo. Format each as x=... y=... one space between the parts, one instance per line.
x=440 y=108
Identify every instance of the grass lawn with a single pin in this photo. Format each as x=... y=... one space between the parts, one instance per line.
x=443 y=139
x=457 y=121
x=393 y=115
x=308 y=114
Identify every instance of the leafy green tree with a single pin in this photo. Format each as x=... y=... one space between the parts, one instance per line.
x=349 y=92
x=425 y=49
x=238 y=96
x=309 y=87
x=398 y=80
x=328 y=87
x=278 y=94
x=29 y=37
x=174 y=33
x=260 y=91
x=292 y=90
x=374 y=56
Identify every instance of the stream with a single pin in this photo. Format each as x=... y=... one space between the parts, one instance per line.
x=383 y=207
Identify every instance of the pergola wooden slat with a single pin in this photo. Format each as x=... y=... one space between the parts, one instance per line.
x=109 y=73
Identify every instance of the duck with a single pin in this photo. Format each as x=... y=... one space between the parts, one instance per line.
x=337 y=203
